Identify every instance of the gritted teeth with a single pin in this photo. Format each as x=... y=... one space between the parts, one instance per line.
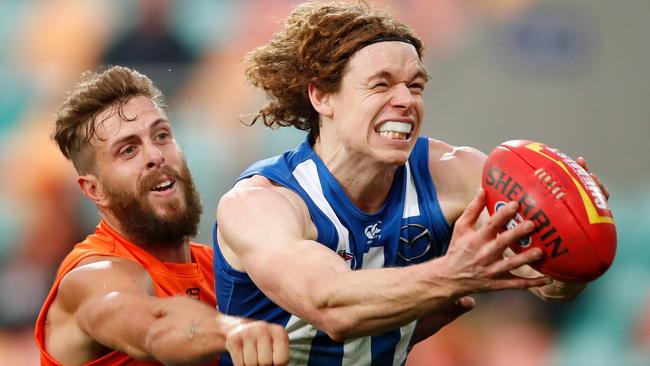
x=394 y=135
x=395 y=130
x=395 y=126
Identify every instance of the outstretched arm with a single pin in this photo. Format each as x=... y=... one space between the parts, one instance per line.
x=109 y=305
x=268 y=230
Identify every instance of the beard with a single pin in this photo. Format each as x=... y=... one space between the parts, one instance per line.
x=138 y=216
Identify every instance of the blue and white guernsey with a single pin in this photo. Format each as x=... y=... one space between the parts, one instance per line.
x=409 y=229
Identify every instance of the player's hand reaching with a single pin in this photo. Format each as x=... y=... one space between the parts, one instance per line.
x=258 y=343
x=560 y=290
x=475 y=261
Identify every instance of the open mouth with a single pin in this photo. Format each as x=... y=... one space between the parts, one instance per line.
x=395 y=130
x=164 y=186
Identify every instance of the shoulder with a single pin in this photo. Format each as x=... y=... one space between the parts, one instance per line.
x=262 y=194
x=456 y=172
x=460 y=158
x=97 y=275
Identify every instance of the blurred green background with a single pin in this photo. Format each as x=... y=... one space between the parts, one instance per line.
x=572 y=74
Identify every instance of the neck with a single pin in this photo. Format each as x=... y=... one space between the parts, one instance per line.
x=168 y=253
x=365 y=182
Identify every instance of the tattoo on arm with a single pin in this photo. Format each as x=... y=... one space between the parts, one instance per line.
x=190 y=333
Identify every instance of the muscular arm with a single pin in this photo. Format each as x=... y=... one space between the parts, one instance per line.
x=267 y=229
x=110 y=305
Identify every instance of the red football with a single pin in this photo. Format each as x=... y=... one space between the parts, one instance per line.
x=573 y=223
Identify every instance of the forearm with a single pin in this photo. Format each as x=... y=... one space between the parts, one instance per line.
x=367 y=302
x=176 y=330
x=188 y=341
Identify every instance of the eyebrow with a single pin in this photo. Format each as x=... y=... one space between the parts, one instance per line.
x=129 y=137
x=386 y=74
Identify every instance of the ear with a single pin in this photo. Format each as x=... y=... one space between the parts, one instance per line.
x=91 y=188
x=320 y=99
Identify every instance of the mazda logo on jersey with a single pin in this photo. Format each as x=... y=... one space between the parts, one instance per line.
x=415 y=242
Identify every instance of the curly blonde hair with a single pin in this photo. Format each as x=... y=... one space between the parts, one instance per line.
x=315 y=45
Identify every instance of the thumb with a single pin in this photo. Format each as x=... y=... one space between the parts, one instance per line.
x=466 y=302
x=461 y=306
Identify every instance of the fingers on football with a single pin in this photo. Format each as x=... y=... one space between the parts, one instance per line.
x=514 y=282
x=583 y=163
x=512 y=236
x=498 y=221
x=508 y=264
x=600 y=185
x=472 y=212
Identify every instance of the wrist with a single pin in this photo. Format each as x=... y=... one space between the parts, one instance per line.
x=441 y=277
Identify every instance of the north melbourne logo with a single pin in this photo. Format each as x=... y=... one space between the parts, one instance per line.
x=373 y=232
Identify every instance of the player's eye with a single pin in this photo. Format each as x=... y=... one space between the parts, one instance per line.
x=127 y=150
x=163 y=136
x=416 y=87
x=380 y=85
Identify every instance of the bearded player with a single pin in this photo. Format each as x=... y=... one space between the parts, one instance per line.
x=114 y=300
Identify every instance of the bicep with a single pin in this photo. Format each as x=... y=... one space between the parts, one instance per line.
x=111 y=302
x=456 y=173
x=267 y=232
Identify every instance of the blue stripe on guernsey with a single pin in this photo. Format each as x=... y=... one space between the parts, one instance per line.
x=325 y=351
x=383 y=347
x=409 y=229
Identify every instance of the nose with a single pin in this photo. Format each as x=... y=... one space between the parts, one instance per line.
x=155 y=156
x=402 y=97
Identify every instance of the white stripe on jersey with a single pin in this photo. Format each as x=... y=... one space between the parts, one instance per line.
x=301 y=334
x=307 y=176
x=411 y=209
x=374 y=258
x=357 y=352
x=401 y=349
x=411 y=206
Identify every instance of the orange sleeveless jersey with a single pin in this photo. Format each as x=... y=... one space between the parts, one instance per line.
x=194 y=279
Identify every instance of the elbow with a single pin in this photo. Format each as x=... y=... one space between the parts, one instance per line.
x=329 y=311
x=336 y=323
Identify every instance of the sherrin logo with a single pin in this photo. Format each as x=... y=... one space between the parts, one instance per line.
x=594 y=200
